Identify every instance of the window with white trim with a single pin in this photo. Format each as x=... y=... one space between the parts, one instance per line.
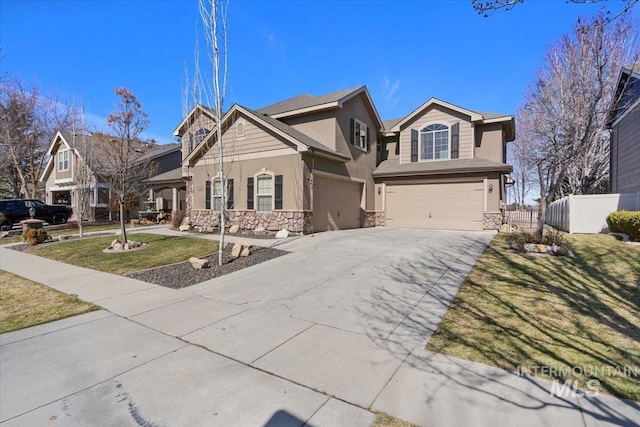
x=63 y=160
x=217 y=194
x=434 y=142
x=264 y=193
x=360 y=135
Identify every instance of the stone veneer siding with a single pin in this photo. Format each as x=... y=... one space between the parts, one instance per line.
x=294 y=221
x=374 y=219
x=492 y=221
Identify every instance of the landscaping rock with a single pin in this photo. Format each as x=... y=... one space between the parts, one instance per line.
x=135 y=222
x=127 y=246
x=282 y=234
x=113 y=242
x=245 y=251
x=198 y=263
x=259 y=230
x=234 y=229
x=117 y=246
x=184 y=227
x=236 y=250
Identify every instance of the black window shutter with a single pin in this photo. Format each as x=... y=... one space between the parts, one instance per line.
x=278 y=191
x=229 y=193
x=368 y=139
x=250 y=193
x=414 y=145
x=207 y=195
x=352 y=129
x=455 y=141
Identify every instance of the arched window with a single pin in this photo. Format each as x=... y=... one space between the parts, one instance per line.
x=240 y=129
x=434 y=142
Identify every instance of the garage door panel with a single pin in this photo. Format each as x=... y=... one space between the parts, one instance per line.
x=435 y=206
x=336 y=204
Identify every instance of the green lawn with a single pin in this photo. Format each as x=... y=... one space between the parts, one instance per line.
x=520 y=311
x=162 y=250
x=24 y=303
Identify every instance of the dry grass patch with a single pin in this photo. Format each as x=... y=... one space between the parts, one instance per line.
x=162 y=250
x=86 y=229
x=24 y=303
x=515 y=311
x=386 y=420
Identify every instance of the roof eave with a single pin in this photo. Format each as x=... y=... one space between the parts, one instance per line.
x=472 y=114
x=307 y=110
x=330 y=156
x=506 y=168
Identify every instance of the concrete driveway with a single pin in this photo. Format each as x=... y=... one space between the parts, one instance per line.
x=320 y=336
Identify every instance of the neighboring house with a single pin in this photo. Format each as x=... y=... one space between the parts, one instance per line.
x=65 y=154
x=316 y=163
x=624 y=122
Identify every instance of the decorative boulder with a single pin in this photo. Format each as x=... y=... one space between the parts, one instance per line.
x=184 y=227
x=236 y=250
x=282 y=234
x=259 y=230
x=234 y=229
x=198 y=263
x=245 y=251
x=127 y=246
x=117 y=246
x=113 y=242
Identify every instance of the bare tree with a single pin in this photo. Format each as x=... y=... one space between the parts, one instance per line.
x=523 y=169
x=28 y=122
x=213 y=14
x=487 y=8
x=83 y=175
x=563 y=119
x=120 y=157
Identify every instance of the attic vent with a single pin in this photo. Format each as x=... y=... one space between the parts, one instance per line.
x=137 y=150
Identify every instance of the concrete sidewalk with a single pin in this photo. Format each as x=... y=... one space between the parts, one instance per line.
x=274 y=341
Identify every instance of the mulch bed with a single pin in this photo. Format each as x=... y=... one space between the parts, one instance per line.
x=180 y=275
x=250 y=234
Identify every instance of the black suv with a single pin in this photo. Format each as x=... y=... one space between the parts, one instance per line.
x=14 y=210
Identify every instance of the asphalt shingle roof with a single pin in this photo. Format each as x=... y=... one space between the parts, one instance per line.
x=305 y=101
x=393 y=167
x=389 y=123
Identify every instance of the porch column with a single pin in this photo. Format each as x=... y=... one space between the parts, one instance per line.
x=175 y=199
x=151 y=197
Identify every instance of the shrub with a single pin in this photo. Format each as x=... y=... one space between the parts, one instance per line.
x=176 y=219
x=553 y=237
x=518 y=240
x=71 y=225
x=34 y=236
x=627 y=222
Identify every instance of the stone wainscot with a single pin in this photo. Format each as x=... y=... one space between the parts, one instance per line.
x=293 y=221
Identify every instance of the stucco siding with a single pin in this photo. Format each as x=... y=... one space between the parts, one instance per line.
x=438 y=114
x=289 y=166
x=489 y=143
x=364 y=162
x=626 y=154
x=320 y=126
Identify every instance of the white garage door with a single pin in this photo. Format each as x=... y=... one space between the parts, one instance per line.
x=336 y=204
x=453 y=206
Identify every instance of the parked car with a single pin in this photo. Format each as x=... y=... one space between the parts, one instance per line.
x=15 y=210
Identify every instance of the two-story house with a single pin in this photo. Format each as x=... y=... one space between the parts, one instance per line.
x=316 y=163
x=444 y=168
x=66 y=156
x=624 y=122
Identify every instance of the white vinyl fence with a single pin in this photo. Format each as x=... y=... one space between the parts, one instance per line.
x=588 y=214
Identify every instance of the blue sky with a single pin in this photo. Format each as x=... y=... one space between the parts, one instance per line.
x=405 y=52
